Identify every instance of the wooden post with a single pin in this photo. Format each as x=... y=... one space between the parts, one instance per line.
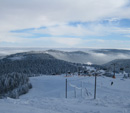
x=114 y=71
x=78 y=71
x=74 y=92
x=81 y=89
x=66 y=89
x=95 y=86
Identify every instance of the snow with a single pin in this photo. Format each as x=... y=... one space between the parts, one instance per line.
x=17 y=58
x=48 y=96
x=89 y=63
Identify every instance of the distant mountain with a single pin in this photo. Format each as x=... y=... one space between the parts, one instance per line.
x=83 y=55
x=75 y=56
x=35 y=63
x=112 y=51
x=120 y=65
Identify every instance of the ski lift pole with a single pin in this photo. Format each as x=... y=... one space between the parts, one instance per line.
x=75 y=92
x=95 y=86
x=114 y=64
x=114 y=70
x=81 y=88
x=66 y=89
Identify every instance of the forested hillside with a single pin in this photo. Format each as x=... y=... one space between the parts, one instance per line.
x=35 y=63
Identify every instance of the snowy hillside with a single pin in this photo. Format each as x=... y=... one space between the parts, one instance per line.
x=48 y=96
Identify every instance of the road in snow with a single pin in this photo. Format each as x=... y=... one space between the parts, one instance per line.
x=48 y=96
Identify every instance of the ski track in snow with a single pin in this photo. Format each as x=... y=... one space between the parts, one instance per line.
x=48 y=96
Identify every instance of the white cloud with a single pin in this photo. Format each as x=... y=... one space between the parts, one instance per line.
x=127 y=36
x=121 y=30
x=68 y=41
x=94 y=29
x=24 y=14
x=35 y=13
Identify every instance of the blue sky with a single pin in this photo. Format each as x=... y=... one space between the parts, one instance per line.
x=65 y=23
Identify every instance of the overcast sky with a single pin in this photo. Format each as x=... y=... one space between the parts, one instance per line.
x=65 y=23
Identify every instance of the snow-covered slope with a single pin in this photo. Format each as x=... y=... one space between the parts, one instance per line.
x=48 y=96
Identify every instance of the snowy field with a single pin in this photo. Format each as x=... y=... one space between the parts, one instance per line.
x=48 y=96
